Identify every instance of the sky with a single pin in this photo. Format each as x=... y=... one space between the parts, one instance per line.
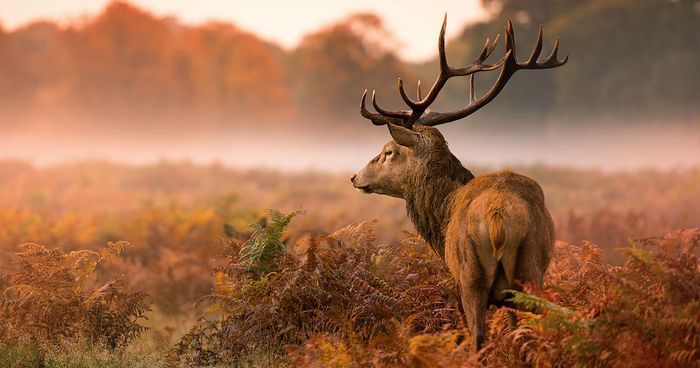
x=415 y=23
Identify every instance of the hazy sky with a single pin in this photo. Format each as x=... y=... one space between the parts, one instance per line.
x=415 y=23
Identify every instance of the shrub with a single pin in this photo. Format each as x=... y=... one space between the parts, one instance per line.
x=359 y=305
x=358 y=291
x=54 y=297
x=644 y=313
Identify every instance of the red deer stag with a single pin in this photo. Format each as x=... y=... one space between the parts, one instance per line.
x=493 y=231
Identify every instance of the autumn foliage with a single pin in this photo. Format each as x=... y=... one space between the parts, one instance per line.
x=362 y=304
x=126 y=68
x=103 y=73
x=295 y=291
x=55 y=297
x=353 y=288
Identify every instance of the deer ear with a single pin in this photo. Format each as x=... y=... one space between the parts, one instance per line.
x=404 y=136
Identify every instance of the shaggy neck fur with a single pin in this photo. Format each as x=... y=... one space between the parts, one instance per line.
x=429 y=200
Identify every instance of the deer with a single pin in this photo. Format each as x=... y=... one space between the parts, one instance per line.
x=493 y=231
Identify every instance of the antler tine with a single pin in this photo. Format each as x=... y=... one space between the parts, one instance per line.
x=412 y=104
x=375 y=118
x=418 y=94
x=484 y=49
x=537 y=50
x=393 y=114
x=478 y=65
x=445 y=74
x=555 y=49
x=510 y=38
x=564 y=60
x=552 y=61
x=488 y=48
x=444 y=67
x=493 y=47
x=472 y=97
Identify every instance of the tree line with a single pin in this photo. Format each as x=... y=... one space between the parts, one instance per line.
x=630 y=59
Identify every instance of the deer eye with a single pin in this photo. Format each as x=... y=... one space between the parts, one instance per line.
x=388 y=153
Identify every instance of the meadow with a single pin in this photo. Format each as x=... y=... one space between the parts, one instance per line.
x=112 y=265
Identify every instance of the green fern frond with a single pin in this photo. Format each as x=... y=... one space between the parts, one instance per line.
x=265 y=245
x=535 y=303
x=554 y=315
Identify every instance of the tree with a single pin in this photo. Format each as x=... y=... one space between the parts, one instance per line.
x=333 y=66
x=630 y=60
x=222 y=69
x=33 y=60
x=531 y=11
x=120 y=57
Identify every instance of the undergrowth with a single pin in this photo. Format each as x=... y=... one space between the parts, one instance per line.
x=343 y=300
x=355 y=291
x=55 y=302
x=360 y=304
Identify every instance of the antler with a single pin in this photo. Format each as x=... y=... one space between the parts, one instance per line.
x=419 y=112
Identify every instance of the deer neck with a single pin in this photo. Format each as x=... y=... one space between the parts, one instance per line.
x=429 y=202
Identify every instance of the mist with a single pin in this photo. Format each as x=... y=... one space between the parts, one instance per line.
x=342 y=148
x=213 y=92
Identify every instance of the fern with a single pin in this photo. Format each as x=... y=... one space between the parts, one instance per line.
x=555 y=316
x=260 y=253
x=536 y=304
x=356 y=303
x=53 y=298
x=354 y=290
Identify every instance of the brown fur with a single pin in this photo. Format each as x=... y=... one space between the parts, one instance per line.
x=493 y=231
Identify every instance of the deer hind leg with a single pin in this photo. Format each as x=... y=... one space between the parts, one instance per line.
x=499 y=297
x=533 y=259
x=475 y=305
x=476 y=280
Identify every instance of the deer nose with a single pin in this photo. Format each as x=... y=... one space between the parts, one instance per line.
x=352 y=179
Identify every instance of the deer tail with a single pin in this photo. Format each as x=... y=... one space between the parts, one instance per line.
x=497 y=232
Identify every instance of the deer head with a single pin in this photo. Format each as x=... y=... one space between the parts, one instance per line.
x=411 y=151
x=417 y=146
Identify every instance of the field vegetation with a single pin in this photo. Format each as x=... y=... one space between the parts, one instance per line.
x=111 y=265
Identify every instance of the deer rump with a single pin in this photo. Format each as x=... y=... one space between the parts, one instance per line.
x=496 y=238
